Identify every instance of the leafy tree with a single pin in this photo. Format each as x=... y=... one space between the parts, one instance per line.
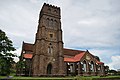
x=20 y=66
x=97 y=58
x=6 y=57
x=118 y=72
x=113 y=72
x=106 y=69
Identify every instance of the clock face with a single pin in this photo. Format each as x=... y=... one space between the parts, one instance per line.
x=87 y=57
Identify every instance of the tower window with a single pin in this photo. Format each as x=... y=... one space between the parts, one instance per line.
x=51 y=23
x=50 y=48
x=48 y=23
x=55 y=23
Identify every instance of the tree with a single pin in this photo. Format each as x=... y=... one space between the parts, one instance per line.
x=6 y=57
x=106 y=69
x=20 y=66
x=113 y=72
x=97 y=58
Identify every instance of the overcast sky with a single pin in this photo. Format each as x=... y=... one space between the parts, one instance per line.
x=86 y=24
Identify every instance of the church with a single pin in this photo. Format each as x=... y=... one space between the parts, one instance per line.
x=47 y=55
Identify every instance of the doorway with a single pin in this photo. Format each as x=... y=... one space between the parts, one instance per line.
x=49 y=69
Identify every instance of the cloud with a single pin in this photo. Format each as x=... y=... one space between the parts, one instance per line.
x=95 y=26
x=19 y=21
x=115 y=64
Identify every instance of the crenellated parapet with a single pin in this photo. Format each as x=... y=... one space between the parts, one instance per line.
x=50 y=10
x=49 y=5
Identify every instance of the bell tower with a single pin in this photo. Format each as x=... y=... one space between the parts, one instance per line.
x=48 y=54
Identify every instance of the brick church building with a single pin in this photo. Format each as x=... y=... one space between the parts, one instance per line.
x=48 y=57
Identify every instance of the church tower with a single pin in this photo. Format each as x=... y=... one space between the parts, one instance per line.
x=48 y=56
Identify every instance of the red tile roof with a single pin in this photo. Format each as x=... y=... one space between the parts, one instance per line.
x=69 y=60
x=71 y=52
x=28 y=55
x=79 y=56
x=76 y=58
x=99 y=62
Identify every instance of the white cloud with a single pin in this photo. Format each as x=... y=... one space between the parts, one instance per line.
x=34 y=1
x=115 y=64
x=87 y=22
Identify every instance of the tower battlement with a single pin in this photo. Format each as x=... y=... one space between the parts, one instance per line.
x=50 y=10
x=52 y=6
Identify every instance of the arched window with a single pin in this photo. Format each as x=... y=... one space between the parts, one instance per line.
x=50 y=49
x=51 y=23
x=81 y=63
x=84 y=66
x=48 y=22
x=99 y=68
x=71 y=67
x=92 y=66
x=55 y=23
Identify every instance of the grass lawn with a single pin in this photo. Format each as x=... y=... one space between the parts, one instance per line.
x=63 y=78
x=41 y=78
x=96 y=77
x=46 y=78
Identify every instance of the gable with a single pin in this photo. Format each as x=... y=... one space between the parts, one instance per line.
x=87 y=57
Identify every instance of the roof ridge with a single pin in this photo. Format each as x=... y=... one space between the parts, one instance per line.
x=74 y=49
x=27 y=43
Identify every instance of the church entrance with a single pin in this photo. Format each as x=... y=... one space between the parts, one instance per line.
x=49 y=69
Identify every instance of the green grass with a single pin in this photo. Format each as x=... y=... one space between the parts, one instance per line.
x=62 y=78
x=41 y=78
x=47 y=78
x=96 y=77
x=2 y=77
